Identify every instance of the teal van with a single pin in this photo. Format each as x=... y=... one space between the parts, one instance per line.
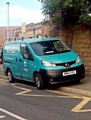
x=41 y=60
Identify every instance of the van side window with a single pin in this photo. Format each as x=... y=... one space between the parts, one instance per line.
x=25 y=52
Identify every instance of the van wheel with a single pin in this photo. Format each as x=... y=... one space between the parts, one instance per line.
x=10 y=77
x=39 y=81
x=78 y=81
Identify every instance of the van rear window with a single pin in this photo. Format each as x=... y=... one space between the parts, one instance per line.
x=49 y=47
x=11 y=48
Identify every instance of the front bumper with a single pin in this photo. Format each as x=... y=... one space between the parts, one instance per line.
x=56 y=76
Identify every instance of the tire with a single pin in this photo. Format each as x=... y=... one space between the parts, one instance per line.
x=40 y=84
x=10 y=77
x=78 y=81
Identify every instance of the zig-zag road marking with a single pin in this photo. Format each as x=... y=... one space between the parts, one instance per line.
x=23 y=92
x=77 y=108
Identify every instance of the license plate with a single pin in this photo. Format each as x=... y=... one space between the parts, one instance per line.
x=69 y=73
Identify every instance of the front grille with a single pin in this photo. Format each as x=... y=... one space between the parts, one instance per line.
x=66 y=64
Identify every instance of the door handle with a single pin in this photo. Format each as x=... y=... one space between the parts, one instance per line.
x=20 y=60
x=16 y=59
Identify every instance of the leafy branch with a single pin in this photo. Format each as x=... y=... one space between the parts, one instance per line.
x=67 y=11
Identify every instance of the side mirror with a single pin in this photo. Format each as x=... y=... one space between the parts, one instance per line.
x=26 y=56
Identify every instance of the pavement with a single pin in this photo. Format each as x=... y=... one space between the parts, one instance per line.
x=83 y=88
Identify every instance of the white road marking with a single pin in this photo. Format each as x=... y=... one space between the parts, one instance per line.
x=2 y=117
x=12 y=114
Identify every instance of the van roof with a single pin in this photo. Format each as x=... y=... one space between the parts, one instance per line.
x=31 y=40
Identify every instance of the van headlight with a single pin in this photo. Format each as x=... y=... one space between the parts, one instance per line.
x=45 y=63
x=78 y=60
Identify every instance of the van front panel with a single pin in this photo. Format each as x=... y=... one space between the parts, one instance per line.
x=63 y=75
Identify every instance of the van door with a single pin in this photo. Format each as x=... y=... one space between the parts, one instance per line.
x=26 y=62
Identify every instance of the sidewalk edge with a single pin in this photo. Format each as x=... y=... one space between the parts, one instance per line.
x=75 y=91
x=66 y=89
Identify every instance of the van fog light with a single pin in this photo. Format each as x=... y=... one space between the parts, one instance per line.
x=51 y=80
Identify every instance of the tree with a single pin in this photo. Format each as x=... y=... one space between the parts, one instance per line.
x=67 y=11
x=40 y=0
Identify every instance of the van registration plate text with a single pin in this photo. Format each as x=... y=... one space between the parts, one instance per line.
x=69 y=73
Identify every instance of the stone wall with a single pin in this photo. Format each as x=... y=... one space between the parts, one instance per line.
x=78 y=38
x=61 y=33
x=82 y=45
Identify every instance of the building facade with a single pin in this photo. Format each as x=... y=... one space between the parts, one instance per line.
x=3 y=36
x=31 y=30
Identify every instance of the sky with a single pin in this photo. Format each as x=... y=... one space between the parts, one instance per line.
x=20 y=11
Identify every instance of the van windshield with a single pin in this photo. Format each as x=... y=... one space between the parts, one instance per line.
x=49 y=47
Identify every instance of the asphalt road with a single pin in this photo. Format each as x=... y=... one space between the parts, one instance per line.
x=23 y=101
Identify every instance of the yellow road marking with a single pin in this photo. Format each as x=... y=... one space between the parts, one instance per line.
x=77 y=108
x=24 y=90
x=37 y=95
x=81 y=105
x=67 y=95
x=2 y=83
x=3 y=80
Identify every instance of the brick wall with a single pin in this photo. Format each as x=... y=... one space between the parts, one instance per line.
x=3 y=34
